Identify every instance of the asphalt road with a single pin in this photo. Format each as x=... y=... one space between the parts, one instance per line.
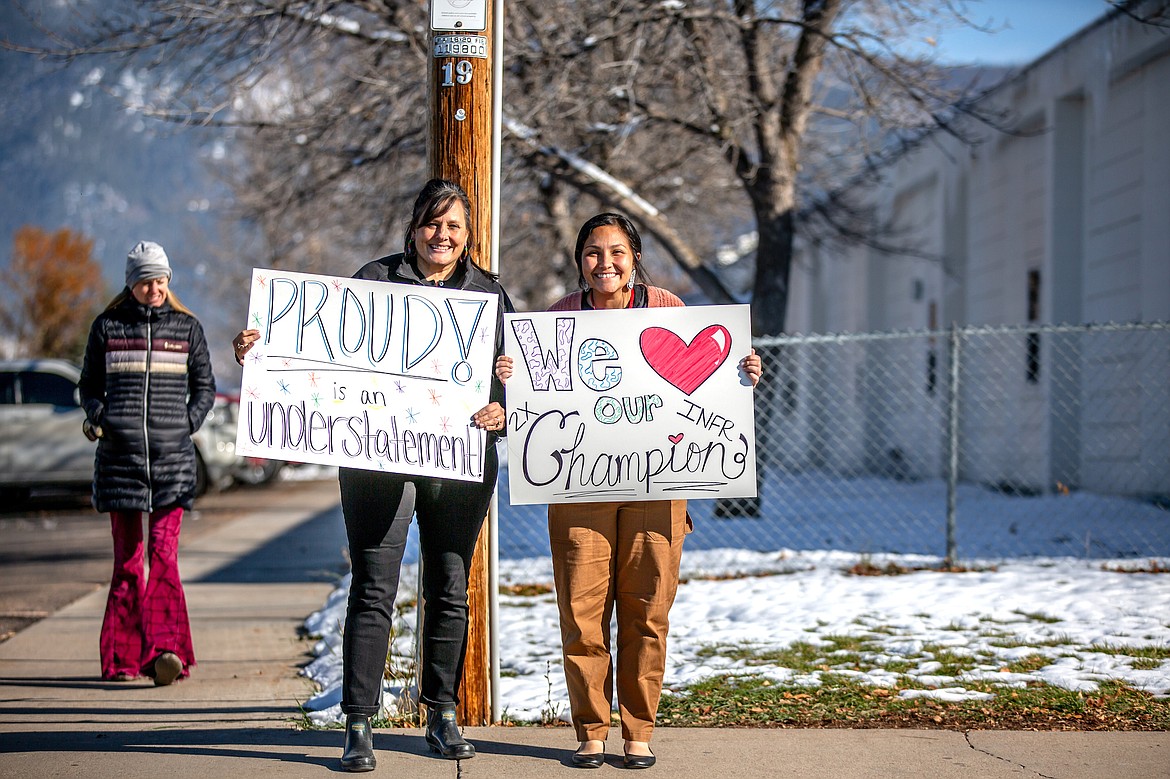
x=55 y=549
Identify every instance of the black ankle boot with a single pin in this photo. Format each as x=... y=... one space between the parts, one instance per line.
x=443 y=734
x=359 y=744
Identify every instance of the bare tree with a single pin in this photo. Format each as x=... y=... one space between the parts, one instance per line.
x=322 y=105
x=724 y=108
x=1155 y=13
x=704 y=119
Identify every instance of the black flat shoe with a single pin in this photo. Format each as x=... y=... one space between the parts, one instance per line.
x=358 y=754
x=588 y=759
x=638 y=761
x=444 y=737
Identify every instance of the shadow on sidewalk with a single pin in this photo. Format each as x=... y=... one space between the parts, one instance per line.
x=506 y=748
x=72 y=714
x=313 y=551
x=271 y=744
x=241 y=742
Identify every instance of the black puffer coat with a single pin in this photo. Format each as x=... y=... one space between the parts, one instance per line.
x=147 y=383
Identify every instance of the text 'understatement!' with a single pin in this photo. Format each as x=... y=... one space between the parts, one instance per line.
x=645 y=404
x=367 y=374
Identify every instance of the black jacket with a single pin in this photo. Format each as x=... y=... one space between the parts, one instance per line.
x=467 y=276
x=147 y=382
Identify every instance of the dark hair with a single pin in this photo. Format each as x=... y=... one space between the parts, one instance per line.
x=435 y=199
x=609 y=219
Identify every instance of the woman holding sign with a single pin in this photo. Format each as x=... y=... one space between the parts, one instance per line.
x=378 y=506
x=622 y=555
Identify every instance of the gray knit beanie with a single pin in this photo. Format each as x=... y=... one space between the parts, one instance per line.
x=146 y=261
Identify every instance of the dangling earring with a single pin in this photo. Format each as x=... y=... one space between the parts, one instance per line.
x=584 y=284
x=630 y=283
x=409 y=248
x=466 y=253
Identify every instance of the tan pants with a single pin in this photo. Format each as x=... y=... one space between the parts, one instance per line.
x=625 y=555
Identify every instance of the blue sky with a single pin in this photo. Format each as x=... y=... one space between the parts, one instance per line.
x=1026 y=29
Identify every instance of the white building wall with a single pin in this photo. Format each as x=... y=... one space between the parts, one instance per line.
x=1155 y=258
x=1113 y=208
x=1083 y=199
x=1004 y=438
x=1126 y=262
x=908 y=417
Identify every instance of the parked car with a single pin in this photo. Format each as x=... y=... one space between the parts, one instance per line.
x=42 y=446
x=249 y=471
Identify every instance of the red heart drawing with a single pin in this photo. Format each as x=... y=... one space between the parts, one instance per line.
x=684 y=365
x=674 y=439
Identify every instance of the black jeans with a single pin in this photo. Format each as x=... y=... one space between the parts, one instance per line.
x=377 y=507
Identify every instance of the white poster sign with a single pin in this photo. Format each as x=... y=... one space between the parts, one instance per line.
x=367 y=374
x=629 y=405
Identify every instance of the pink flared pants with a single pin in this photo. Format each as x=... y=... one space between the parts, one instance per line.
x=145 y=617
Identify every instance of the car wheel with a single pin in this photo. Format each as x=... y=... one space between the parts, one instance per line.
x=254 y=471
x=14 y=497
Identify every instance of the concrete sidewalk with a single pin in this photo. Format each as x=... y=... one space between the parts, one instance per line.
x=249 y=587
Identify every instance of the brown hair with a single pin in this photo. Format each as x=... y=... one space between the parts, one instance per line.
x=435 y=199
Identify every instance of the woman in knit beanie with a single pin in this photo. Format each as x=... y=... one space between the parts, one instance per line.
x=146 y=386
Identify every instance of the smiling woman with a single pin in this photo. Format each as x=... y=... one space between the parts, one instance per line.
x=440 y=241
x=378 y=505
x=620 y=556
x=146 y=386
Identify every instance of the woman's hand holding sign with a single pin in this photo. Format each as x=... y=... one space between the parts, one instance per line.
x=751 y=365
x=242 y=343
x=503 y=368
x=490 y=417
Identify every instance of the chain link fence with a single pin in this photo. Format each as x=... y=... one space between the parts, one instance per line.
x=972 y=445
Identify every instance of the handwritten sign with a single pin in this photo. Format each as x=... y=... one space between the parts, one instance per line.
x=629 y=405
x=367 y=374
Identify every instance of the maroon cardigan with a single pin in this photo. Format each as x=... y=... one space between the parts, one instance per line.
x=656 y=297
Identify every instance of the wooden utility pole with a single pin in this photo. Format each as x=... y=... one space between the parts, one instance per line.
x=459 y=148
